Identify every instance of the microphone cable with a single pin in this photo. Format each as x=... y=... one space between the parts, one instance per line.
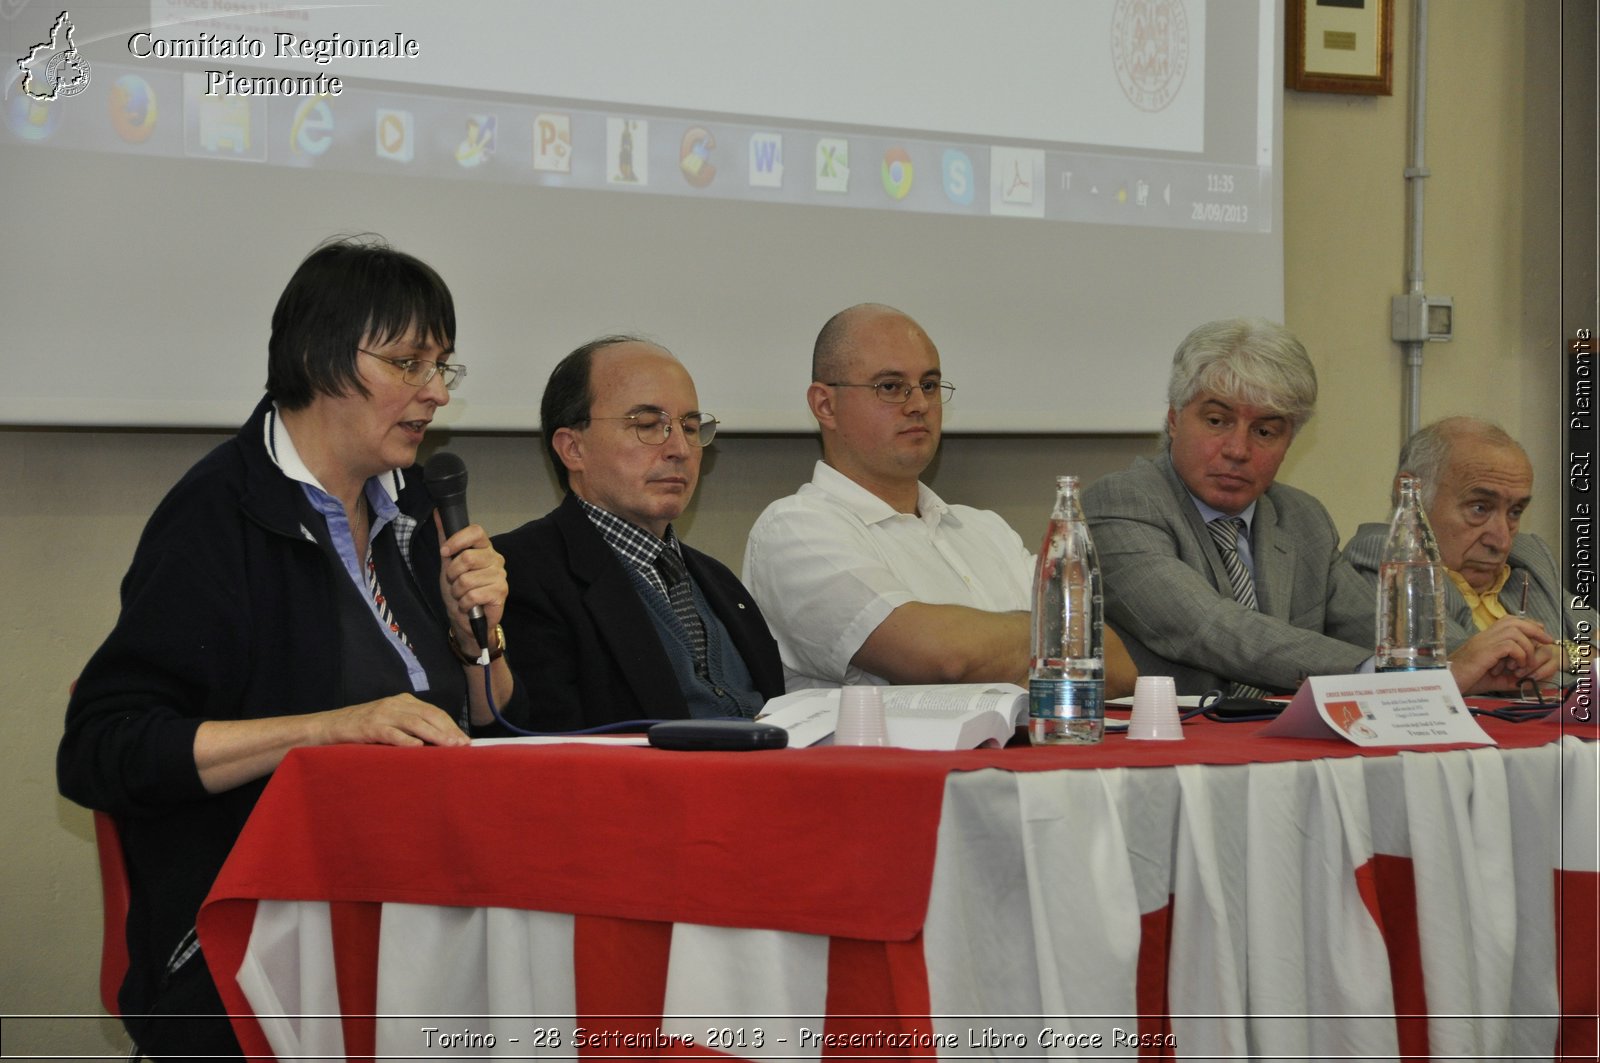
x=605 y=728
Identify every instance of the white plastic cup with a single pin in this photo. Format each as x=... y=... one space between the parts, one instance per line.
x=1155 y=710
x=861 y=718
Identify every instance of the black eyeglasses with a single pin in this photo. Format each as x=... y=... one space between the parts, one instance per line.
x=418 y=371
x=1530 y=704
x=898 y=393
x=654 y=427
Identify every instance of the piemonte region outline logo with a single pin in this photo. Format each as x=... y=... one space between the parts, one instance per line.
x=55 y=70
x=1150 y=50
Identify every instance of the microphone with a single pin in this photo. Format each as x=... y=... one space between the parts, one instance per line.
x=446 y=477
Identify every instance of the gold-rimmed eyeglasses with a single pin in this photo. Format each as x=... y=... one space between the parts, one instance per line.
x=419 y=371
x=898 y=393
x=654 y=427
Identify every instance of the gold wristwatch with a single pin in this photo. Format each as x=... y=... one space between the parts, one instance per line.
x=495 y=652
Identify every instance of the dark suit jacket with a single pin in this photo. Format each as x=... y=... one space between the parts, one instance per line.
x=1168 y=596
x=581 y=642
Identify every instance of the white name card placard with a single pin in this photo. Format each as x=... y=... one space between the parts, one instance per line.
x=1383 y=709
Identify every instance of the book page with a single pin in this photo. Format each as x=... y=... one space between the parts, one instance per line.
x=956 y=699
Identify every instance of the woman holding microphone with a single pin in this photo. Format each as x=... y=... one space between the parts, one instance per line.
x=291 y=590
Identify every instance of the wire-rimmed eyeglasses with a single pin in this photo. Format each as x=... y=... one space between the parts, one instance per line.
x=898 y=393
x=654 y=427
x=419 y=371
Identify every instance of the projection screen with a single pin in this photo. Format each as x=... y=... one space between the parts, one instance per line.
x=1057 y=191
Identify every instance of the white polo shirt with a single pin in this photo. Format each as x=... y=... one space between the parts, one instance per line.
x=827 y=565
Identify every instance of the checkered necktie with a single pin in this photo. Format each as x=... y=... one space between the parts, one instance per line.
x=1225 y=531
x=681 y=595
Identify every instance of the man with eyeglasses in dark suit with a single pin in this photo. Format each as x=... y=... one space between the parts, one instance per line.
x=866 y=575
x=611 y=618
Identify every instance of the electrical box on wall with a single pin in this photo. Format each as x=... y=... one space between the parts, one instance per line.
x=1416 y=317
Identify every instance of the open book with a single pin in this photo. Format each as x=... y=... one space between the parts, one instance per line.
x=955 y=716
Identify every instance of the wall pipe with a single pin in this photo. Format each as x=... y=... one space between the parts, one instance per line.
x=1416 y=171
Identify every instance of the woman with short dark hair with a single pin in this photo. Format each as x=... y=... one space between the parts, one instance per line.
x=291 y=590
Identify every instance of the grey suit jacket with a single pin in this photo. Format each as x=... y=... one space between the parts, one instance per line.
x=1547 y=602
x=1168 y=595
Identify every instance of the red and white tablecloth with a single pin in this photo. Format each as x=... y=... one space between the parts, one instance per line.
x=1229 y=895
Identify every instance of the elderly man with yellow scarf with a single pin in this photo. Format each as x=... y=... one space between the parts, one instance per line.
x=1476 y=484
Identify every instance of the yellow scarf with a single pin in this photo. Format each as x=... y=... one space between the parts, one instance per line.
x=1486 y=607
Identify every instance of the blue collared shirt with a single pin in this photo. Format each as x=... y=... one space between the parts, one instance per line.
x=382 y=493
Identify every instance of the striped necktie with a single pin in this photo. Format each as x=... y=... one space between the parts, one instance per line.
x=1225 y=531
x=385 y=614
x=679 y=592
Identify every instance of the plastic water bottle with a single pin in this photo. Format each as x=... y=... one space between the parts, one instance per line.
x=1411 y=581
x=1066 y=680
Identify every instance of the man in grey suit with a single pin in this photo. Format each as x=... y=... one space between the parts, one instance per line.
x=1217 y=575
x=1476 y=483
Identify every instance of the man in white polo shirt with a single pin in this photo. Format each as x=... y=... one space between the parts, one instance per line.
x=865 y=575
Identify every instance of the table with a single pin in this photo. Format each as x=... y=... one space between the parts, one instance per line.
x=1226 y=895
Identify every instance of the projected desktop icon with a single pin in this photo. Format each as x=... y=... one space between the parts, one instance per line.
x=896 y=173
x=225 y=125
x=311 y=131
x=1016 y=182
x=29 y=118
x=222 y=127
x=833 y=164
x=694 y=157
x=552 y=143
x=132 y=104
x=627 y=151
x=477 y=146
x=766 y=160
x=396 y=135
x=960 y=183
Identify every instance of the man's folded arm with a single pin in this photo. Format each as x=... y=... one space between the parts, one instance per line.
x=819 y=579
x=921 y=643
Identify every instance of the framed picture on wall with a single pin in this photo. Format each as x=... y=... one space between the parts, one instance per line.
x=1340 y=46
